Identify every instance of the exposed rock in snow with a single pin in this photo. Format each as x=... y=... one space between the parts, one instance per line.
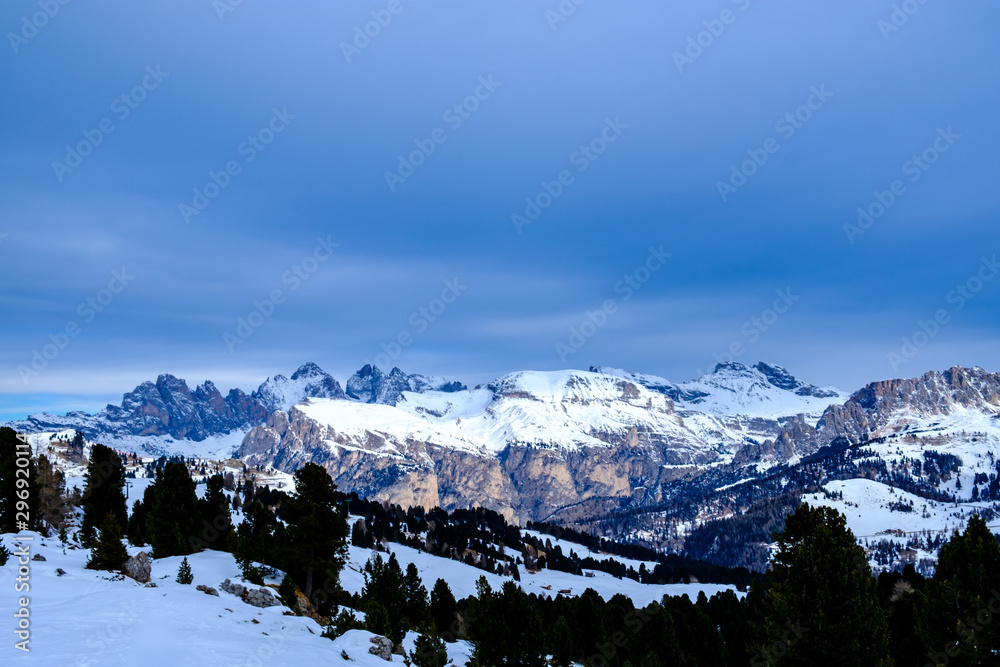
x=256 y=597
x=139 y=567
x=381 y=647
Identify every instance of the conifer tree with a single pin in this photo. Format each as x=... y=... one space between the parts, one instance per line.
x=562 y=642
x=377 y=621
x=443 y=609
x=51 y=491
x=429 y=652
x=170 y=520
x=103 y=492
x=316 y=544
x=136 y=531
x=184 y=574
x=215 y=525
x=820 y=605
x=108 y=552
x=287 y=592
x=959 y=625
x=254 y=541
x=384 y=588
x=415 y=595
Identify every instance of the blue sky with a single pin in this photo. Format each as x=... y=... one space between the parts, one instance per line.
x=621 y=120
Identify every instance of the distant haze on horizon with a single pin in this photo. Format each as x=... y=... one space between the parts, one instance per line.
x=474 y=189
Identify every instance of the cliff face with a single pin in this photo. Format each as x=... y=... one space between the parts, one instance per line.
x=888 y=406
x=522 y=481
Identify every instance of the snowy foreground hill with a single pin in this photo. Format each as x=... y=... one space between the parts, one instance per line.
x=87 y=617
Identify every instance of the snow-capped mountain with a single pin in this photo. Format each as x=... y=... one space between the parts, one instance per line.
x=309 y=381
x=530 y=442
x=156 y=414
x=372 y=385
x=763 y=390
x=167 y=416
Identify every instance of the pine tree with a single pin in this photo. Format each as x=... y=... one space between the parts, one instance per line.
x=377 y=621
x=77 y=445
x=170 y=521
x=507 y=628
x=443 y=609
x=215 y=525
x=820 y=604
x=184 y=574
x=384 y=590
x=316 y=544
x=108 y=552
x=562 y=642
x=429 y=652
x=103 y=492
x=255 y=541
x=415 y=606
x=136 y=531
x=958 y=626
x=287 y=591
x=51 y=490
x=343 y=622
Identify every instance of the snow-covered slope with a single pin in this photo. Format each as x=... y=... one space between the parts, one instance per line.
x=762 y=390
x=557 y=409
x=87 y=617
x=876 y=510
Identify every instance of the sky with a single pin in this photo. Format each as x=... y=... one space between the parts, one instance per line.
x=226 y=190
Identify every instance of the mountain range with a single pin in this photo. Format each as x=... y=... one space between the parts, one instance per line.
x=587 y=446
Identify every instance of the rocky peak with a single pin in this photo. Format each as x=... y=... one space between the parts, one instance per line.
x=371 y=385
x=888 y=406
x=309 y=381
x=782 y=379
